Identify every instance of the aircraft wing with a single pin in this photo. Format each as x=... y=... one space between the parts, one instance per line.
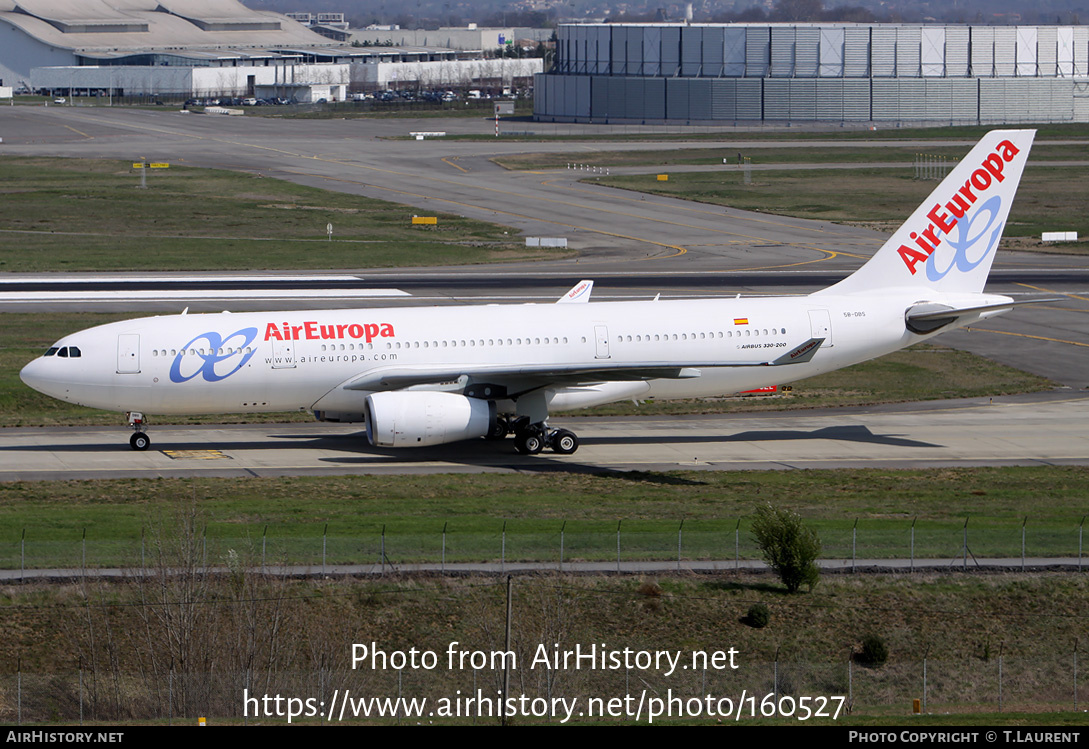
x=397 y=377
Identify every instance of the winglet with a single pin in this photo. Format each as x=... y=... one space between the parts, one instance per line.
x=579 y=293
x=799 y=354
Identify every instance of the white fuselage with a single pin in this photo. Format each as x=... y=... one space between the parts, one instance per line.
x=276 y=361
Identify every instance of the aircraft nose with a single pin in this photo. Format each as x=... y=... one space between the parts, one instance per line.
x=33 y=374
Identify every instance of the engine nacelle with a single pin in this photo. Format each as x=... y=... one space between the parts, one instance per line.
x=424 y=418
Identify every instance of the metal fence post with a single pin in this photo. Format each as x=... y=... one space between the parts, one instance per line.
x=737 y=546
x=562 y=529
x=1081 y=525
x=618 y=522
x=964 y=548
x=1000 y=648
x=775 y=681
x=854 y=545
x=850 y=682
x=924 y=678
x=913 y=542
x=680 y=530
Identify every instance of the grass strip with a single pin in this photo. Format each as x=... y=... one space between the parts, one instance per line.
x=80 y=214
x=288 y=518
x=1048 y=199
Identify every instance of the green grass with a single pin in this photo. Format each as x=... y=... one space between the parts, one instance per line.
x=74 y=214
x=298 y=635
x=412 y=511
x=1048 y=199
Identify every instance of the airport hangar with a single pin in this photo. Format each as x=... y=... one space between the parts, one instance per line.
x=186 y=48
x=802 y=73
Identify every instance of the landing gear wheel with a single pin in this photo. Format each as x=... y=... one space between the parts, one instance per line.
x=499 y=430
x=529 y=442
x=564 y=442
x=140 y=441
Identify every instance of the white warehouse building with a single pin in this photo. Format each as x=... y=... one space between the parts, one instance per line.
x=716 y=73
x=201 y=48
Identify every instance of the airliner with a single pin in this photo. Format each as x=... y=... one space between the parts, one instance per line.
x=422 y=376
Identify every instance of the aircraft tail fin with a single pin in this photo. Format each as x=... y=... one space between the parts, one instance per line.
x=579 y=293
x=949 y=242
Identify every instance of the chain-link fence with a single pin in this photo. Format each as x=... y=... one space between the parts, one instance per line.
x=962 y=543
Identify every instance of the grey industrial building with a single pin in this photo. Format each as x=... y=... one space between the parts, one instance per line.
x=848 y=73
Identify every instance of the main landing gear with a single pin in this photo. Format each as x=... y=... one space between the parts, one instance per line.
x=139 y=439
x=533 y=438
x=530 y=439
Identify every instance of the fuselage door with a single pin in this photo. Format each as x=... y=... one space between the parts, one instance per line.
x=128 y=353
x=821 y=326
x=601 y=338
x=283 y=354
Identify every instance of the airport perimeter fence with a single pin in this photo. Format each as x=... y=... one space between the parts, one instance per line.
x=960 y=545
x=792 y=690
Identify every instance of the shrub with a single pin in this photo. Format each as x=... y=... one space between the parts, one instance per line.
x=758 y=616
x=874 y=651
x=789 y=547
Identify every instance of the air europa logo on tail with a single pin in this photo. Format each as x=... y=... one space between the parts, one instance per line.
x=313 y=331
x=945 y=218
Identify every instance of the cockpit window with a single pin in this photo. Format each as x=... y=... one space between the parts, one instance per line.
x=65 y=352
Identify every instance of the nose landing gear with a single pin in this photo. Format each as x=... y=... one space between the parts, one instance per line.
x=139 y=439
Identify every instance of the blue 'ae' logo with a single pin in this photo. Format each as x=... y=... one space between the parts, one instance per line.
x=220 y=349
x=967 y=240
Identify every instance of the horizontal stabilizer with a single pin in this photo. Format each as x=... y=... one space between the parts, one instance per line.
x=929 y=316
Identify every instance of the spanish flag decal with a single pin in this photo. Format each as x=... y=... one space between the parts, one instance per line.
x=741 y=321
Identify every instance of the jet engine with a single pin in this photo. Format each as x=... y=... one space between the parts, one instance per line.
x=425 y=418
